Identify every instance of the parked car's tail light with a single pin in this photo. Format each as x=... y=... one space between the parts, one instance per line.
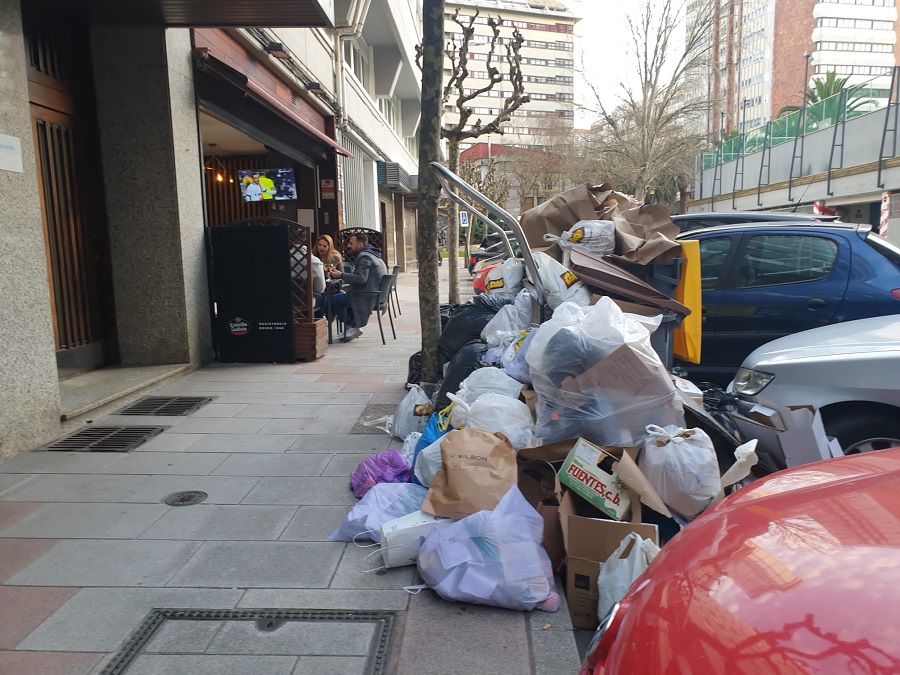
x=604 y=638
x=472 y=260
x=750 y=382
x=896 y=293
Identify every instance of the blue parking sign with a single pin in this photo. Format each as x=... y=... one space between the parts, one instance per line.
x=463 y=219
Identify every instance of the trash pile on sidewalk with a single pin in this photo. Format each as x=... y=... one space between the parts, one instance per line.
x=558 y=441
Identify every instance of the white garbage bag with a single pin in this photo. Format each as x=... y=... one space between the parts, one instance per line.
x=505 y=325
x=560 y=283
x=488 y=381
x=509 y=416
x=428 y=461
x=506 y=278
x=492 y=558
x=594 y=236
x=626 y=564
x=682 y=467
x=412 y=414
x=382 y=503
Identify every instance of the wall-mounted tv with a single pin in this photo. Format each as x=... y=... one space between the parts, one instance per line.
x=265 y=184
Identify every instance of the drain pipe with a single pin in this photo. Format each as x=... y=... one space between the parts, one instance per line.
x=341 y=34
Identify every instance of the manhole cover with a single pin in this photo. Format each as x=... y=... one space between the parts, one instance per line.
x=365 y=637
x=185 y=498
x=165 y=405
x=105 y=439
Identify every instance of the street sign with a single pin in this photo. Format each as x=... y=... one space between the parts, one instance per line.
x=463 y=219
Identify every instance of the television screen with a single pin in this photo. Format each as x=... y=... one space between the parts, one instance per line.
x=265 y=184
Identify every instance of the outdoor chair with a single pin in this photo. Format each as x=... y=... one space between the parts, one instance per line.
x=395 y=299
x=383 y=303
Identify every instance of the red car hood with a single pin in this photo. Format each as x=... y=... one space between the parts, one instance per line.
x=797 y=573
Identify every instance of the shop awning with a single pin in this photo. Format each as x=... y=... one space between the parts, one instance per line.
x=213 y=66
x=200 y=13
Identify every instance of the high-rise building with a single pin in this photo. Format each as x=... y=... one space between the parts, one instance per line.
x=547 y=66
x=763 y=53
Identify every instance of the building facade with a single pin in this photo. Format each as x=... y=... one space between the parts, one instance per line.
x=547 y=67
x=125 y=131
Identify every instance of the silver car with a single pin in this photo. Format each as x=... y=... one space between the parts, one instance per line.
x=849 y=371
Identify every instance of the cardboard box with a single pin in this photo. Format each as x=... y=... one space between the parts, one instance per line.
x=610 y=489
x=541 y=488
x=589 y=542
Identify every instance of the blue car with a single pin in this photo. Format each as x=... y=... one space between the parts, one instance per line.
x=763 y=281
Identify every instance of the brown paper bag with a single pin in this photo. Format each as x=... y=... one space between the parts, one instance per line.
x=479 y=468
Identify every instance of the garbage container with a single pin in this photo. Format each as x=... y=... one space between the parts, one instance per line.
x=251 y=284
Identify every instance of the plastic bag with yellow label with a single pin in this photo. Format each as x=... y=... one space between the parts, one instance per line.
x=560 y=283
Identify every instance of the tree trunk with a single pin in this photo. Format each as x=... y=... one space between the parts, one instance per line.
x=429 y=188
x=453 y=225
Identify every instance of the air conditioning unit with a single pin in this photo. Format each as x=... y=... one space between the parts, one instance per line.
x=393 y=178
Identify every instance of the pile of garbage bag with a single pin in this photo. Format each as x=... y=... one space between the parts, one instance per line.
x=559 y=446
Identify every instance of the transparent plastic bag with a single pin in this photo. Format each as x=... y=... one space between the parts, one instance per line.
x=492 y=558
x=514 y=362
x=505 y=325
x=596 y=376
x=488 y=381
x=412 y=414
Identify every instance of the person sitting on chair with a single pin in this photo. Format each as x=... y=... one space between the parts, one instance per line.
x=364 y=280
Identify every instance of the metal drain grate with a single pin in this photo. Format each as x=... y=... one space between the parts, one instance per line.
x=186 y=498
x=266 y=621
x=105 y=439
x=165 y=405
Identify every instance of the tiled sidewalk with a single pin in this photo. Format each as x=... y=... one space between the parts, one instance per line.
x=88 y=548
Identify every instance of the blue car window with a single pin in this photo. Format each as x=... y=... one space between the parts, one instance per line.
x=785 y=259
x=713 y=255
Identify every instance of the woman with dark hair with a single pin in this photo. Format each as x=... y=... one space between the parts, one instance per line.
x=327 y=253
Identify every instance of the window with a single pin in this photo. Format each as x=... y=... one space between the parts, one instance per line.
x=713 y=254
x=772 y=259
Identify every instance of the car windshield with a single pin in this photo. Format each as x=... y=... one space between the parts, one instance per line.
x=884 y=247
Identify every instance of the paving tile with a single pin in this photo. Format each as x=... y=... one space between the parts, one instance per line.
x=227 y=425
x=288 y=598
x=136 y=421
x=77 y=488
x=284 y=411
x=371 y=387
x=220 y=489
x=494 y=639
x=150 y=664
x=87 y=521
x=273 y=398
x=248 y=368
x=174 y=463
x=323 y=368
x=24 y=609
x=182 y=637
x=352 y=377
x=11 y=480
x=343 y=465
x=384 y=370
x=331 y=427
x=301 y=491
x=367 y=444
x=314 y=523
x=260 y=565
x=218 y=410
x=92 y=562
x=294 y=464
x=243 y=443
x=359 y=569
x=202 y=388
x=330 y=665
x=15 y=554
x=559 y=620
x=337 y=398
x=169 y=442
x=12 y=512
x=255 y=377
x=387 y=397
x=211 y=522
x=554 y=651
x=58 y=462
x=339 y=412
x=99 y=619
x=304 y=388
x=47 y=663
x=296 y=637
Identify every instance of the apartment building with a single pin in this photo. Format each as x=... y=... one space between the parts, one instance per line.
x=547 y=67
x=762 y=53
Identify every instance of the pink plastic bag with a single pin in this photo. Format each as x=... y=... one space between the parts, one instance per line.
x=384 y=467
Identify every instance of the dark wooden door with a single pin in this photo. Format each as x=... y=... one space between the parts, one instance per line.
x=70 y=190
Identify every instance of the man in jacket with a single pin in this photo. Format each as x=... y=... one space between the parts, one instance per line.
x=364 y=284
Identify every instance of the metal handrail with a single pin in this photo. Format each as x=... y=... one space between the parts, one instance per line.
x=447 y=178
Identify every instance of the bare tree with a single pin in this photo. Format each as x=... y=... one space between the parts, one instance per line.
x=431 y=60
x=462 y=96
x=486 y=177
x=649 y=139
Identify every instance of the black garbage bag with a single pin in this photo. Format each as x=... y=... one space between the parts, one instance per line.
x=467 y=322
x=414 y=374
x=466 y=361
x=446 y=312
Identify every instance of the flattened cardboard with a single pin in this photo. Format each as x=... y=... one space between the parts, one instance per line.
x=625 y=371
x=589 y=542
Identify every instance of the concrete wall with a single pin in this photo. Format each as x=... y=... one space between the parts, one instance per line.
x=151 y=166
x=29 y=397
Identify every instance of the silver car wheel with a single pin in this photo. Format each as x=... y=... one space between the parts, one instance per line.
x=872 y=444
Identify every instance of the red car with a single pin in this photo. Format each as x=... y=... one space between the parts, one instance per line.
x=796 y=573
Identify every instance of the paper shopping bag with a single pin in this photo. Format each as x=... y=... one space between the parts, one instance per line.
x=478 y=469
